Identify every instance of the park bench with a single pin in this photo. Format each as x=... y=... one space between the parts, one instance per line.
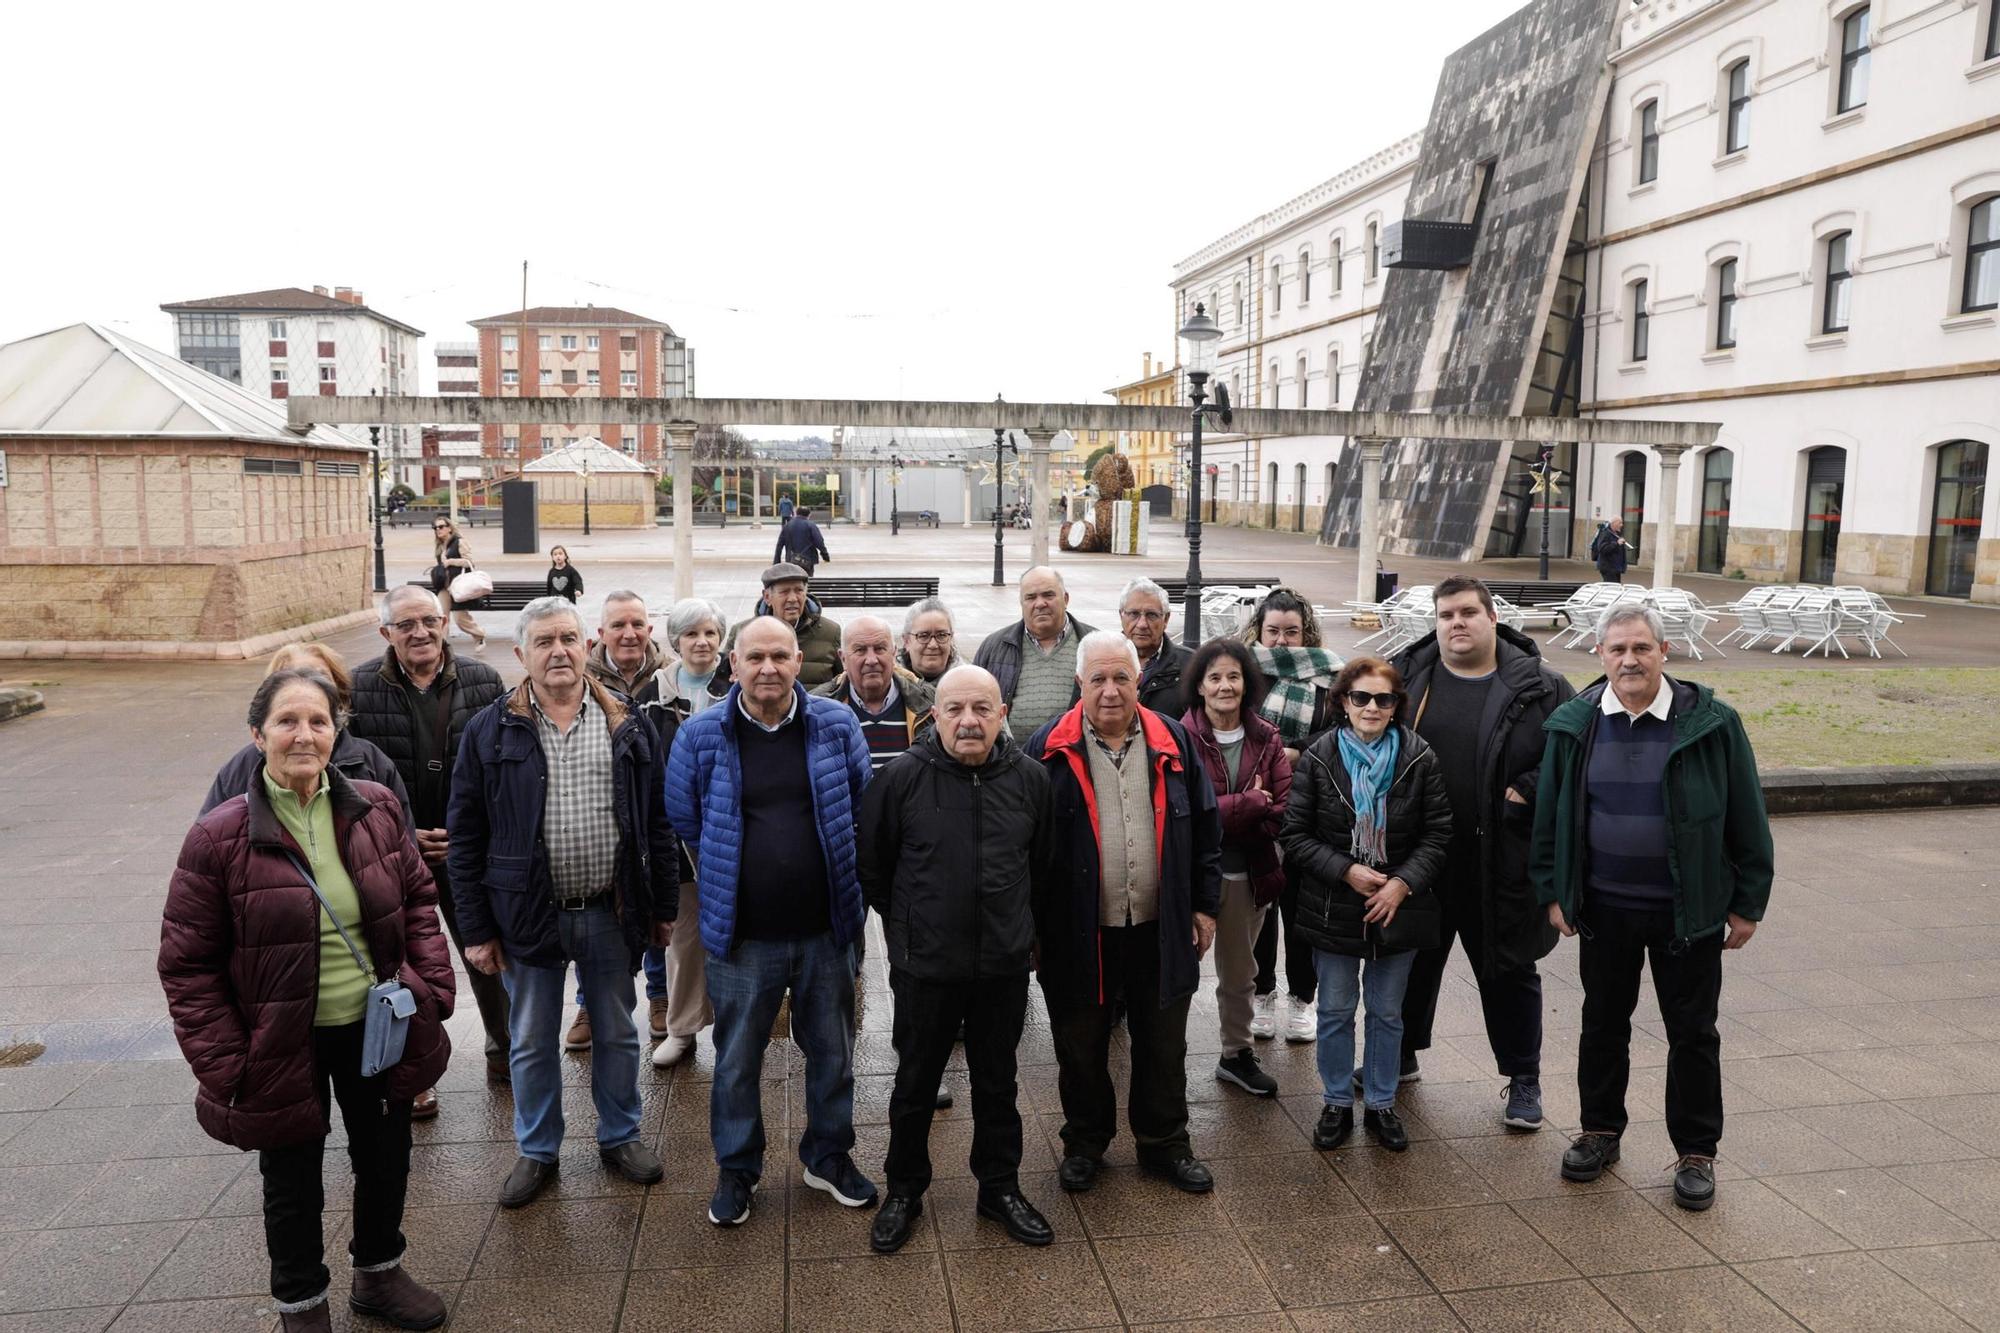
x=1532 y=592
x=1176 y=588
x=420 y=516
x=922 y=518
x=504 y=597
x=872 y=591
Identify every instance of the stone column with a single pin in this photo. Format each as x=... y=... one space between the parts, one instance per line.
x=1038 y=473
x=756 y=497
x=965 y=481
x=681 y=441
x=1663 y=538
x=1368 y=545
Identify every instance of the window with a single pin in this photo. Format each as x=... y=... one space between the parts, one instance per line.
x=510 y=378
x=569 y=342
x=1277 y=288
x=1236 y=296
x=591 y=376
x=1333 y=263
x=548 y=376
x=628 y=344
x=590 y=343
x=628 y=379
x=1649 y=141
x=544 y=342
x=1982 y=255
x=274 y=467
x=1373 y=242
x=1826 y=478
x=1718 y=467
x=1333 y=377
x=1303 y=397
x=277 y=374
x=1632 y=500
x=510 y=342
x=1833 y=308
x=1853 y=61
x=1272 y=396
x=1725 y=304
x=1956 y=502
x=1305 y=276
x=277 y=328
x=569 y=377
x=1736 y=123
x=1641 y=322
x=328 y=374
x=1992 y=47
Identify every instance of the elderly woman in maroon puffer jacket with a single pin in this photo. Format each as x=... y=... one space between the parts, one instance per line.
x=1246 y=763
x=268 y=999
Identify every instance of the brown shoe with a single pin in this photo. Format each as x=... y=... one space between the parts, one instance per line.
x=656 y=1016
x=392 y=1294
x=319 y=1319
x=425 y=1107
x=499 y=1073
x=578 y=1036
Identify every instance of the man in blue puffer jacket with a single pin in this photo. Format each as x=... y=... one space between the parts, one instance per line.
x=774 y=769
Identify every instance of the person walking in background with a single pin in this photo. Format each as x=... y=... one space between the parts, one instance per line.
x=785 y=508
x=414 y=702
x=561 y=853
x=452 y=556
x=1244 y=758
x=1128 y=913
x=565 y=579
x=1610 y=550
x=290 y=900
x=1365 y=831
x=1651 y=841
x=1034 y=659
x=1144 y=618
x=954 y=842
x=801 y=543
x=764 y=791
x=1479 y=694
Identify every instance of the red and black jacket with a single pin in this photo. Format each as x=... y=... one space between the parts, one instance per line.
x=1188 y=841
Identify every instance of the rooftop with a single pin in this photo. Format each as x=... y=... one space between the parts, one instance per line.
x=589 y=454
x=288 y=301
x=578 y=316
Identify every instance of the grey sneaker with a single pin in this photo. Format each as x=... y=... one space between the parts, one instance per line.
x=1524 y=1104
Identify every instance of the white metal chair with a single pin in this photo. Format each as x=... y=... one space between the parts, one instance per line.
x=1749 y=613
x=1686 y=620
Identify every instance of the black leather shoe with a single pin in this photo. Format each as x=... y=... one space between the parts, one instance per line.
x=1079 y=1172
x=528 y=1178
x=1336 y=1123
x=1588 y=1156
x=1015 y=1213
x=1694 y=1183
x=1183 y=1173
x=634 y=1161
x=894 y=1222
x=1387 y=1127
x=944 y=1098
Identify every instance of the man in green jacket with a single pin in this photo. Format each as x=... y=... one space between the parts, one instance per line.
x=1651 y=843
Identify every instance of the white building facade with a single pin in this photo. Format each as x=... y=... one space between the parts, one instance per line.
x=1795 y=221
x=1296 y=291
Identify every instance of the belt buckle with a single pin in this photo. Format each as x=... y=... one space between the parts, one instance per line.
x=576 y=904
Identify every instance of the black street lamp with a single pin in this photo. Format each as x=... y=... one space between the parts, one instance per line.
x=586 y=494
x=1546 y=475
x=1000 y=446
x=1200 y=334
x=381 y=568
x=895 y=480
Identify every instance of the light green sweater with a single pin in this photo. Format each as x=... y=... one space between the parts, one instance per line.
x=343 y=987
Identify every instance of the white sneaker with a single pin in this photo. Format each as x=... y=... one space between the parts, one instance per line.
x=1264 y=1017
x=1303 y=1025
x=672 y=1051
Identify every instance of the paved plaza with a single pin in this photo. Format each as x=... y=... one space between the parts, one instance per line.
x=1860 y=1168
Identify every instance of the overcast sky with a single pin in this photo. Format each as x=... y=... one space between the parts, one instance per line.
x=933 y=201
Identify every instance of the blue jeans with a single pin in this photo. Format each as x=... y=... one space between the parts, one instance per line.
x=596 y=941
x=656 y=978
x=746 y=989
x=1343 y=981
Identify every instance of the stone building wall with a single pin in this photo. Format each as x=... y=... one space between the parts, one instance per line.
x=617 y=499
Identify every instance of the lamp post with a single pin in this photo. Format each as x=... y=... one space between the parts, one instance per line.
x=381 y=569
x=1200 y=334
x=1000 y=447
x=895 y=480
x=586 y=494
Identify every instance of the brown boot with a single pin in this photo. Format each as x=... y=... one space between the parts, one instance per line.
x=392 y=1294
x=656 y=1016
x=319 y=1319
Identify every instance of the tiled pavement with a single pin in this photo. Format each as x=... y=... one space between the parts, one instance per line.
x=1860 y=1168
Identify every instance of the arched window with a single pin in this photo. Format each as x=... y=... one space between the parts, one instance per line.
x=1299 y=497
x=1372 y=238
x=1333 y=244
x=1277 y=287
x=1271 y=496
x=1957 y=502
x=1649 y=140
x=1736 y=97
x=1236 y=387
x=1642 y=322
x=1839 y=279
x=1718 y=466
x=1632 y=500
x=1304 y=396
x=1305 y=275
x=1826 y=484
x=1236 y=301
x=1271 y=398
x=1982 y=255
x=1333 y=376
x=1326 y=496
x=1854 y=49
x=1236 y=483
x=1725 y=304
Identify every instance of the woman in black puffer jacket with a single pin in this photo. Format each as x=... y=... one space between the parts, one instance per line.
x=1365 y=832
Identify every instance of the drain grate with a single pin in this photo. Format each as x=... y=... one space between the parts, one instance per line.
x=19 y=1053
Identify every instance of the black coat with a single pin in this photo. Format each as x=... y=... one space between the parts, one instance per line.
x=357 y=760
x=951 y=857
x=380 y=708
x=1068 y=911
x=1527 y=691
x=800 y=542
x=1161 y=687
x=1319 y=829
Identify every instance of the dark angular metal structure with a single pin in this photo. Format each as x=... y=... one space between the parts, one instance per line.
x=1505 y=153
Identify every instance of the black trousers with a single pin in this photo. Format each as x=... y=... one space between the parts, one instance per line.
x=488 y=991
x=1157 y=1105
x=1510 y=999
x=928 y=1014
x=1687 y=978
x=378 y=1149
x=1301 y=974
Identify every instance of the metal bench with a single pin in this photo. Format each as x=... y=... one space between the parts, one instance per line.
x=1532 y=592
x=872 y=591
x=420 y=516
x=504 y=597
x=922 y=518
x=1176 y=588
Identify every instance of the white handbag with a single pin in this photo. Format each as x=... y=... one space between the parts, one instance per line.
x=470 y=586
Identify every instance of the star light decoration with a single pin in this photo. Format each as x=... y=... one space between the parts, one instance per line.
x=1015 y=472
x=1548 y=481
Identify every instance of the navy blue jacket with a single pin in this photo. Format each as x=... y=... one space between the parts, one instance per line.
x=1188 y=840
x=499 y=863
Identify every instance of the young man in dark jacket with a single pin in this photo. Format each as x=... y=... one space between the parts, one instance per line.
x=954 y=835
x=1651 y=842
x=413 y=702
x=1128 y=910
x=1479 y=693
x=561 y=853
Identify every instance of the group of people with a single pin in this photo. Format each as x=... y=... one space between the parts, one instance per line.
x=1092 y=810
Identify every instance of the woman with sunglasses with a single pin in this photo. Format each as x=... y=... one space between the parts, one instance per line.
x=1365 y=831
x=453 y=557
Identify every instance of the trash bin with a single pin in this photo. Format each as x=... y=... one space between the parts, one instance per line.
x=1385 y=584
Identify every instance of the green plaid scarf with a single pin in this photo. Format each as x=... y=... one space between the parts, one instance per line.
x=1295 y=675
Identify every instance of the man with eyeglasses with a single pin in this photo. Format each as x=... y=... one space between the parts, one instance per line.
x=414 y=701
x=1143 y=616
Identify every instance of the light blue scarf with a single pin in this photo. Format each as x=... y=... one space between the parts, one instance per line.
x=1371 y=767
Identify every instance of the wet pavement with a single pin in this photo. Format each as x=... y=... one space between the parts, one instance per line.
x=1860 y=1169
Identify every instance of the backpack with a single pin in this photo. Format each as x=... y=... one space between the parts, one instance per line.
x=1597 y=542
